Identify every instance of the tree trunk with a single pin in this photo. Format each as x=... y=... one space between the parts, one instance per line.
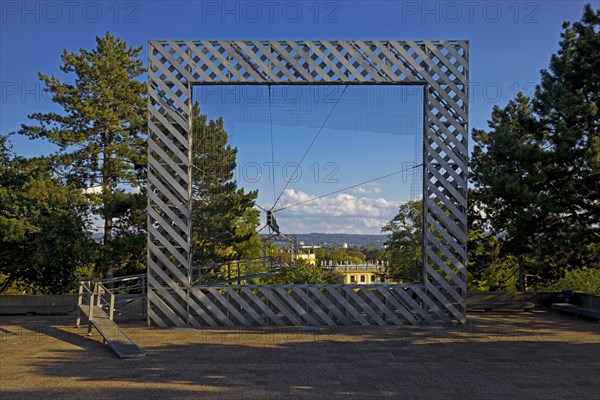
x=108 y=271
x=7 y=283
x=522 y=276
x=106 y=200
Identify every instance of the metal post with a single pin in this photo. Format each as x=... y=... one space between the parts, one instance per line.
x=112 y=306
x=425 y=194
x=145 y=303
x=190 y=200
x=79 y=303
x=98 y=295
x=91 y=313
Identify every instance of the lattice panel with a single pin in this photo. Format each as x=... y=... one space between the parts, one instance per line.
x=313 y=305
x=255 y=61
x=175 y=66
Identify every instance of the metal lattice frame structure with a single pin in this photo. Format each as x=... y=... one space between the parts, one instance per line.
x=440 y=67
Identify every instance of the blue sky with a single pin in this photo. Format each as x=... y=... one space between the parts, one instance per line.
x=368 y=131
x=510 y=41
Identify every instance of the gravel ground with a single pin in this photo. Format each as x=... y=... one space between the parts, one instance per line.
x=537 y=355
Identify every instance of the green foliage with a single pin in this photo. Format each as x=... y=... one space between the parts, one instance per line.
x=306 y=273
x=583 y=280
x=508 y=175
x=404 y=247
x=224 y=218
x=247 y=243
x=535 y=172
x=337 y=255
x=44 y=241
x=373 y=254
x=357 y=255
x=100 y=136
x=487 y=269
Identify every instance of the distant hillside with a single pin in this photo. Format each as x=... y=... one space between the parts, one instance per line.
x=338 y=239
x=320 y=239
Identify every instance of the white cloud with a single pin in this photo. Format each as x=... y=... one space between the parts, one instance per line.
x=368 y=190
x=342 y=213
x=93 y=190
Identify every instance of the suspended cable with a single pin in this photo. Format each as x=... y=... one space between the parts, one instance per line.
x=257 y=205
x=310 y=146
x=272 y=146
x=349 y=187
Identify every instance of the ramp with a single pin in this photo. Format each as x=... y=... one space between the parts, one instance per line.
x=118 y=341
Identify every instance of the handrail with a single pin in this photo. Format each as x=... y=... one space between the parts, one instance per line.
x=93 y=293
x=228 y=272
x=118 y=278
x=244 y=260
x=102 y=292
x=122 y=284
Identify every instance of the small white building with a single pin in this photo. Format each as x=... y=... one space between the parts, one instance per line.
x=307 y=253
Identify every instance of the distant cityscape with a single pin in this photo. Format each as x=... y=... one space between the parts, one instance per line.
x=322 y=239
x=341 y=240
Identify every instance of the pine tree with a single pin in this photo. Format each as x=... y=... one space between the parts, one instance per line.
x=510 y=183
x=535 y=172
x=100 y=136
x=568 y=103
x=224 y=218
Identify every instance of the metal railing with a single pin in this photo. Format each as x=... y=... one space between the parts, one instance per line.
x=102 y=293
x=237 y=271
x=91 y=295
x=354 y=268
x=130 y=284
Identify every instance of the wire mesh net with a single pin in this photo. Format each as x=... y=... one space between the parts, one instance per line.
x=331 y=158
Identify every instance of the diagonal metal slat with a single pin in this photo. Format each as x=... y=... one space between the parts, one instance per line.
x=348 y=307
x=354 y=295
x=228 y=306
x=300 y=311
x=384 y=308
x=281 y=307
x=330 y=306
x=308 y=298
x=257 y=318
x=262 y=306
x=156 y=301
x=210 y=306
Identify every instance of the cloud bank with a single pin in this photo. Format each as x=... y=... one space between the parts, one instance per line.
x=342 y=213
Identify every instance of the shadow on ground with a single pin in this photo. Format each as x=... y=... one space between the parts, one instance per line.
x=531 y=356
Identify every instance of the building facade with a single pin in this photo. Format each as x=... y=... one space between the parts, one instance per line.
x=358 y=274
